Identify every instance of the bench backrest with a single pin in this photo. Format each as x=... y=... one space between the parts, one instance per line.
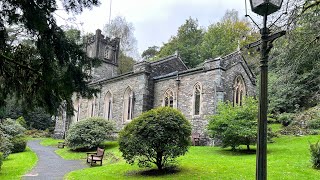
x=100 y=152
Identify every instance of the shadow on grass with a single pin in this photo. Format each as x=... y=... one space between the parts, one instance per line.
x=237 y=152
x=154 y=172
x=110 y=145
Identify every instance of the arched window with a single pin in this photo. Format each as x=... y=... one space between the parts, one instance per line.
x=106 y=53
x=91 y=107
x=128 y=104
x=197 y=91
x=168 y=98
x=239 y=91
x=108 y=106
x=77 y=109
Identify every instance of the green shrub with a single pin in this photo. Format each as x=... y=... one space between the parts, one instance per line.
x=1 y=159
x=89 y=133
x=35 y=133
x=157 y=136
x=314 y=124
x=315 y=155
x=285 y=118
x=19 y=144
x=5 y=144
x=22 y=121
x=11 y=127
x=235 y=125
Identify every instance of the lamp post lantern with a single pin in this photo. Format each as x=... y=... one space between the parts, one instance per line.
x=264 y=8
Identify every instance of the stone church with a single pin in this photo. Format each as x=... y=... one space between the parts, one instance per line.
x=166 y=82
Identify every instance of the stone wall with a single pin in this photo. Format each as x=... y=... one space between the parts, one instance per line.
x=183 y=87
x=238 y=68
x=117 y=87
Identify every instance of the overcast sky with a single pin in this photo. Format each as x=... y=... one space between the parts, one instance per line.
x=155 y=21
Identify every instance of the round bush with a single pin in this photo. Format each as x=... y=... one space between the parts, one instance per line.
x=157 y=136
x=19 y=144
x=1 y=158
x=89 y=133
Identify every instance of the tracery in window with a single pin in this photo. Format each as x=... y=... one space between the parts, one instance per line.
x=76 y=107
x=108 y=106
x=239 y=91
x=128 y=104
x=91 y=107
x=168 y=98
x=197 y=99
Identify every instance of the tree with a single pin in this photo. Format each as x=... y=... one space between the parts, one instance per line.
x=125 y=63
x=157 y=136
x=47 y=72
x=235 y=125
x=119 y=27
x=296 y=68
x=150 y=53
x=226 y=36
x=187 y=42
x=89 y=133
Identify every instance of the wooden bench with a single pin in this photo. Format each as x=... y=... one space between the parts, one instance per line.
x=94 y=157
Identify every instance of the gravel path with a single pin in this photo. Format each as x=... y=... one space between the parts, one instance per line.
x=50 y=165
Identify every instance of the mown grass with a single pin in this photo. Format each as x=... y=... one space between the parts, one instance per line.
x=18 y=164
x=288 y=158
x=50 y=141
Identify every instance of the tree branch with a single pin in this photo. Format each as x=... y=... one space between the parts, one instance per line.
x=312 y=4
x=9 y=60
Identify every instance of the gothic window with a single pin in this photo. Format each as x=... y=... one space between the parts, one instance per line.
x=168 y=98
x=77 y=109
x=128 y=104
x=91 y=107
x=197 y=99
x=108 y=106
x=239 y=91
x=106 y=53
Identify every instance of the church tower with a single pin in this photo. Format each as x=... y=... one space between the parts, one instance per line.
x=107 y=50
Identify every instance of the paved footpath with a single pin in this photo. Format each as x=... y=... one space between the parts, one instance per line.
x=50 y=166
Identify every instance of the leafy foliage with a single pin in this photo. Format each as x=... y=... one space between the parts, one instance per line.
x=35 y=133
x=9 y=130
x=285 y=118
x=12 y=128
x=315 y=154
x=48 y=70
x=296 y=64
x=89 y=133
x=5 y=144
x=125 y=63
x=1 y=159
x=224 y=37
x=37 y=118
x=157 y=136
x=235 y=125
x=22 y=121
x=187 y=42
x=19 y=144
x=150 y=53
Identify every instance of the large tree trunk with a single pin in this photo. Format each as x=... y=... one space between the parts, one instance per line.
x=248 y=147
x=159 y=161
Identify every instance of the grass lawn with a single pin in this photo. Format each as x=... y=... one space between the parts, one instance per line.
x=288 y=158
x=18 y=164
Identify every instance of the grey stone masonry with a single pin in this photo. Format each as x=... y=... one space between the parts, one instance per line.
x=150 y=82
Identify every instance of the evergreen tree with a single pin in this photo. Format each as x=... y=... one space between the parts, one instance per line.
x=48 y=70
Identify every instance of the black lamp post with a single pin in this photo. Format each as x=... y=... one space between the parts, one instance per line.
x=264 y=8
